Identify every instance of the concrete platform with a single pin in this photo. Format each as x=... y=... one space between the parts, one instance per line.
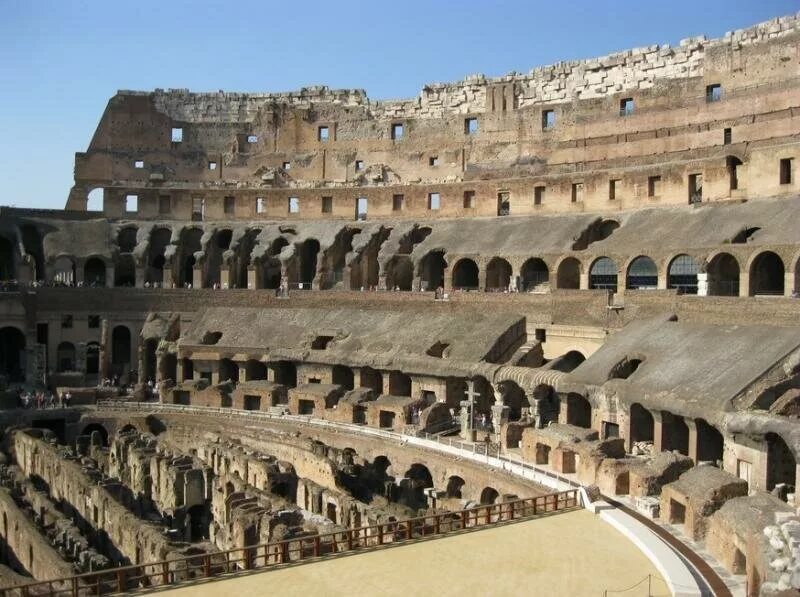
x=571 y=554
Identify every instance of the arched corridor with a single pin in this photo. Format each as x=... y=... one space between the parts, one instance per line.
x=343 y=376
x=12 y=354
x=579 y=411
x=767 y=275
x=64 y=268
x=498 y=274
x=642 y=274
x=431 y=269
x=7 y=269
x=603 y=274
x=534 y=274
x=120 y=349
x=465 y=275
x=642 y=425
x=308 y=253
x=399 y=273
x=781 y=462
x=723 y=275
x=65 y=357
x=489 y=496
x=682 y=274
x=568 y=276
x=159 y=239
x=94 y=272
x=255 y=370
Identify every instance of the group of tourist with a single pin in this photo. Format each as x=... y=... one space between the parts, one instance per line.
x=43 y=399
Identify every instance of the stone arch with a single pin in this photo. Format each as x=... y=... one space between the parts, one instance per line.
x=682 y=274
x=95 y=199
x=125 y=271
x=220 y=243
x=416 y=480
x=568 y=274
x=498 y=274
x=710 y=443
x=96 y=427
x=732 y=164
x=343 y=376
x=399 y=384
x=723 y=275
x=372 y=379
x=255 y=370
x=228 y=371
x=465 y=275
x=126 y=239
x=455 y=486
x=514 y=398
x=64 y=268
x=642 y=424
x=168 y=369
x=767 y=274
x=489 y=496
x=781 y=462
x=8 y=271
x=32 y=241
x=12 y=354
x=569 y=361
x=674 y=433
x=271 y=265
x=603 y=274
x=578 y=410
x=191 y=243
x=65 y=357
x=156 y=254
x=120 y=349
x=285 y=373
x=399 y=273
x=307 y=269
x=149 y=360
x=431 y=268
x=642 y=273
x=94 y=272
x=534 y=274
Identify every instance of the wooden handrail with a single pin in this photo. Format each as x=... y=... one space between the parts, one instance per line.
x=265 y=555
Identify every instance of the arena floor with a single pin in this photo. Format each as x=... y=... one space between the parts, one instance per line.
x=572 y=554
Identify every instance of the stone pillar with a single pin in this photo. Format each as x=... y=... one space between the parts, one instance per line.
x=214 y=372
x=242 y=371
x=178 y=371
x=658 y=431
x=110 y=276
x=467 y=433
x=663 y=279
x=79 y=272
x=382 y=282
x=789 y=280
x=481 y=278
x=584 y=281
x=252 y=277
x=702 y=284
x=225 y=278
x=166 y=279
x=139 y=272
x=103 y=365
x=693 y=438
x=197 y=276
x=744 y=284
x=499 y=418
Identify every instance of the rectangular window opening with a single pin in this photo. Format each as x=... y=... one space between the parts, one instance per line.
x=470 y=126
x=260 y=205
x=66 y=321
x=577 y=192
x=397 y=131
x=713 y=92
x=469 y=199
x=359 y=165
x=361 y=208
x=398 y=202
x=287 y=166
x=212 y=165
x=548 y=119
x=327 y=205
x=695 y=188
x=727 y=136
x=229 y=205
x=138 y=164
x=613 y=185
x=131 y=203
x=198 y=209
x=503 y=203
x=653 y=186
x=177 y=135
x=94 y=322
x=323 y=133
x=252 y=138
x=626 y=106
x=434 y=201
x=433 y=160
x=538 y=195
x=787 y=165
x=294 y=205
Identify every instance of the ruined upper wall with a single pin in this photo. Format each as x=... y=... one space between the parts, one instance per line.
x=634 y=69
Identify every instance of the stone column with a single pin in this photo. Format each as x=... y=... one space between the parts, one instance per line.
x=693 y=438
x=178 y=371
x=658 y=431
x=225 y=280
x=584 y=281
x=103 y=365
x=197 y=275
x=702 y=284
x=166 y=279
x=499 y=418
x=744 y=284
x=110 y=276
x=663 y=279
x=214 y=372
x=481 y=278
x=79 y=271
x=242 y=371
x=252 y=278
x=789 y=280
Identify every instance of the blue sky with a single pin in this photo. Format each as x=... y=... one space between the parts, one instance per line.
x=61 y=60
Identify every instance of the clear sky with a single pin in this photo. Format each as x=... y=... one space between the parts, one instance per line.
x=61 y=60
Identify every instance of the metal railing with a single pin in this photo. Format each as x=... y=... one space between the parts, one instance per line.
x=269 y=555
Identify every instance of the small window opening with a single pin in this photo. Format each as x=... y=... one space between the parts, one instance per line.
x=229 y=205
x=321 y=342
x=727 y=136
x=541 y=335
x=138 y=164
x=653 y=186
x=434 y=201
x=361 y=208
x=397 y=131
x=212 y=165
x=612 y=189
x=503 y=203
x=323 y=133
x=695 y=188
x=469 y=199
x=252 y=138
x=713 y=92
x=470 y=126
x=786 y=170
x=398 y=202
x=294 y=205
x=260 y=207
x=624 y=369
x=287 y=166
x=177 y=135
x=131 y=203
x=626 y=106
x=327 y=205
x=94 y=322
x=538 y=195
x=359 y=165
x=198 y=209
x=433 y=160
x=577 y=192
x=548 y=119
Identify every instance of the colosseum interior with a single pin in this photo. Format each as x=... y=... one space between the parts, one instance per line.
x=276 y=327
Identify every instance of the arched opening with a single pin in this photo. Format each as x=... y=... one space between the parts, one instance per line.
x=65 y=357
x=32 y=241
x=150 y=360
x=399 y=384
x=674 y=432
x=723 y=275
x=125 y=272
x=514 y=398
x=120 y=349
x=245 y=257
x=416 y=480
x=766 y=275
x=228 y=371
x=642 y=274
x=126 y=239
x=465 y=275
x=255 y=370
x=285 y=373
x=64 y=268
x=399 y=273
x=569 y=361
x=169 y=367
x=95 y=200
x=159 y=239
x=188 y=368
x=624 y=368
x=455 y=484
x=309 y=251
x=191 y=243
x=568 y=276
x=215 y=254
x=781 y=463
x=101 y=432
x=642 y=425
x=484 y=400
x=489 y=496
x=732 y=163
x=94 y=272
x=603 y=275
x=372 y=379
x=682 y=274
x=710 y=442
x=342 y=376
x=92 y=358
x=271 y=265
x=535 y=275
x=198 y=523
x=498 y=274
x=579 y=411
x=12 y=354
x=431 y=269
x=7 y=269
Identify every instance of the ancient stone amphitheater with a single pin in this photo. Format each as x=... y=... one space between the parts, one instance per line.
x=283 y=327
